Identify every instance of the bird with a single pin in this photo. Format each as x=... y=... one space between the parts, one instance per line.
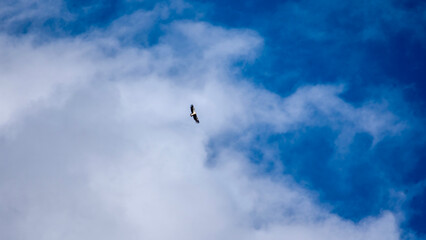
x=194 y=114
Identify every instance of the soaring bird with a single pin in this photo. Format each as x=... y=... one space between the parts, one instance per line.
x=194 y=114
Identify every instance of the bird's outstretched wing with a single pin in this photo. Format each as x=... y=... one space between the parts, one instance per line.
x=196 y=118
x=192 y=108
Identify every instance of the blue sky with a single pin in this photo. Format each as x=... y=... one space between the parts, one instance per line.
x=377 y=51
x=312 y=119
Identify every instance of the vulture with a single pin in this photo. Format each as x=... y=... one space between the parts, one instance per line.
x=194 y=114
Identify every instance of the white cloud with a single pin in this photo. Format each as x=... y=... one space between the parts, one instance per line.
x=31 y=74
x=97 y=142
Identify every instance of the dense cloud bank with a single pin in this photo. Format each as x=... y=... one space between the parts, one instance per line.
x=96 y=141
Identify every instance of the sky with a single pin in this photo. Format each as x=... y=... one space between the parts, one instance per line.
x=312 y=121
